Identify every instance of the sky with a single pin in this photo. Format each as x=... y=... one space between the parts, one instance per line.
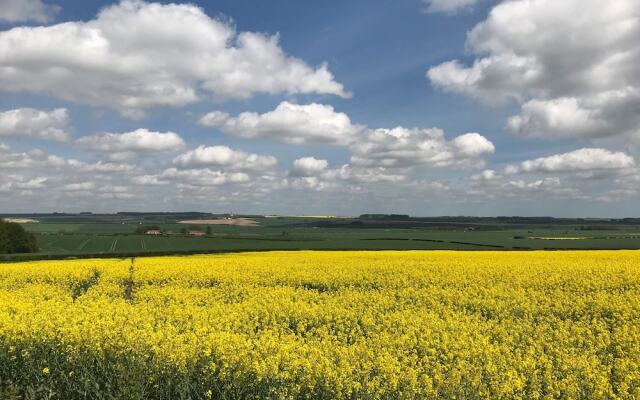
x=421 y=107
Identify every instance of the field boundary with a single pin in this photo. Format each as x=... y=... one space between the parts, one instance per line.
x=13 y=258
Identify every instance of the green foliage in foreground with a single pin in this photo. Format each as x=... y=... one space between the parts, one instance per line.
x=14 y=239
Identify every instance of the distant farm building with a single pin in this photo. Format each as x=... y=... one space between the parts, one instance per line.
x=153 y=232
x=195 y=233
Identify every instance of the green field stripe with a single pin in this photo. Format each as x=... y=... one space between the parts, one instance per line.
x=83 y=244
x=50 y=246
x=113 y=245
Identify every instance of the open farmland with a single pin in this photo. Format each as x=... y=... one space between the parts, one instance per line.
x=121 y=235
x=84 y=240
x=324 y=325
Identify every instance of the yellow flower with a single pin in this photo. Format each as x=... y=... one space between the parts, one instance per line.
x=313 y=324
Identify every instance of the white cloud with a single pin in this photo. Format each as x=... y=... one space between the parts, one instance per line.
x=308 y=166
x=387 y=148
x=490 y=184
x=586 y=159
x=101 y=167
x=135 y=55
x=343 y=177
x=549 y=184
x=122 y=145
x=312 y=173
x=377 y=155
x=38 y=161
x=35 y=183
x=49 y=125
x=114 y=192
x=27 y=10
x=79 y=187
x=289 y=123
x=448 y=6
x=473 y=144
x=485 y=176
x=204 y=177
x=103 y=191
x=403 y=147
x=357 y=174
x=225 y=157
x=563 y=117
x=18 y=184
x=571 y=63
x=30 y=160
x=148 y=180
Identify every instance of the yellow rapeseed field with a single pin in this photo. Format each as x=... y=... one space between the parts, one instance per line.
x=324 y=325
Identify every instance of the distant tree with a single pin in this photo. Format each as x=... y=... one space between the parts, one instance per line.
x=197 y=228
x=14 y=239
x=209 y=230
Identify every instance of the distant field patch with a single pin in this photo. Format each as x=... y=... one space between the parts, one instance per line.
x=557 y=238
x=21 y=220
x=231 y=221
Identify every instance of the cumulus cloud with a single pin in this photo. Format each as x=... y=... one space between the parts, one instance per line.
x=30 y=160
x=586 y=159
x=38 y=161
x=148 y=180
x=308 y=166
x=49 y=125
x=360 y=175
x=386 y=148
x=313 y=173
x=549 y=184
x=448 y=6
x=224 y=157
x=490 y=184
x=485 y=176
x=27 y=10
x=35 y=183
x=289 y=123
x=343 y=177
x=20 y=184
x=101 y=167
x=563 y=116
x=191 y=55
x=204 y=177
x=403 y=147
x=572 y=65
x=79 y=187
x=378 y=156
x=26 y=173
x=124 y=145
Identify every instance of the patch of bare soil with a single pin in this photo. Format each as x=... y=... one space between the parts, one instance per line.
x=222 y=221
x=21 y=220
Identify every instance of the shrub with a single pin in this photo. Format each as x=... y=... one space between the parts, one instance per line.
x=14 y=239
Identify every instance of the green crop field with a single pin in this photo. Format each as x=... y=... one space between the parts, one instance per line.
x=77 y=236
x=305 y=238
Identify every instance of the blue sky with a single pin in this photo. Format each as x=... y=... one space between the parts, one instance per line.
x=430 y=107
